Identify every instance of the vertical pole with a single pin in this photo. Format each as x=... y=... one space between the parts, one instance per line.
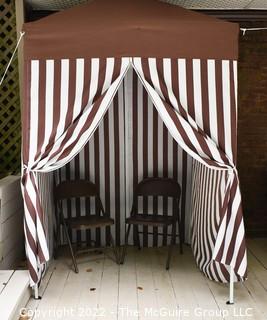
x=36 y=292
x=231 y=287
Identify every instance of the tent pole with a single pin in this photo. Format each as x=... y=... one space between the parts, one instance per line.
x=231 y=287
x=36 y=292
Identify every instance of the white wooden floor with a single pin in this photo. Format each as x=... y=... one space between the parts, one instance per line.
x=143 y=289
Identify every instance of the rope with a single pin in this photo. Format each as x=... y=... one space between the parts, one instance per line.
x=12 y=57
x=244 y=30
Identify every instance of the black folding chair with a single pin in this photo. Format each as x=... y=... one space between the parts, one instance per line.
x=77 y=189
x=156 y=187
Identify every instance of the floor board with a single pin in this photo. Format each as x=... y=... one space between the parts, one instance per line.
x=141 y=288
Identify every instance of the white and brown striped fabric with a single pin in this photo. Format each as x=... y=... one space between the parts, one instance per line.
x=196 y=100
x=114 y=160
x=67 y=100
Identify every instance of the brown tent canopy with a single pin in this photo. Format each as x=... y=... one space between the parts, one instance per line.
x=180 y=62
x=130 y=28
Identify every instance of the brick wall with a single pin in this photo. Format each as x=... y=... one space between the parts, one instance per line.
x=252 y=129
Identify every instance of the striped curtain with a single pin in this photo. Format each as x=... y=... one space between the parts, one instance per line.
x=196 y=99
x=67 y=100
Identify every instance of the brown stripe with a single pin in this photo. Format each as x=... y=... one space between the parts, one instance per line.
x=145 y=159
x=106 y=168
x=68 y=200
x=240 y=257
x=97 y=179
x=86 y=83
x=165 y=175
x=219 y=103
x=77 y=200
x=71 y=93
x=101 y=79
x=175 y=87
x=117 y=165
x=41 y=108
x=56 y=109
x=87 y=177
x=190 y=88
x=205 y=97
x=32 y=272
x=155 y=167
x=183 y=195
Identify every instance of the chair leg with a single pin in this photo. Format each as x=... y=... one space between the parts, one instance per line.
x=56 y=241
x=70 y=246
x=112 y=242
x=138 y=238
x=171 y=246
x=126 y=244
x=180 y=235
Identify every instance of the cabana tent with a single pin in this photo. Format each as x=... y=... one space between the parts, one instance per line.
x=185 y=65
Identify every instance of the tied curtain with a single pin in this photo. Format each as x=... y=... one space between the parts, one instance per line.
x=62 y=118
x=196 y=99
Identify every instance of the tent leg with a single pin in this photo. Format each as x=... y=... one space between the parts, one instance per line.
x=36 y=292
x=231 y=287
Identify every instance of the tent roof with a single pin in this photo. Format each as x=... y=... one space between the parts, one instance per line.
x=141 y=28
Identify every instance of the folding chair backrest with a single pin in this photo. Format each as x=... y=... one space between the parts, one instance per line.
x=156 y=187
x=77 y=189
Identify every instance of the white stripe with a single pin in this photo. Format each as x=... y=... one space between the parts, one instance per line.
x=167 y=73
x=109 y=74
x=243 y=265
x=231 y=224
x=182 y=83
x=227 y=108
x=64 y=96
x=139 y=129
x=239 y=238
x=207 y=210
x=188 y=210
x=79 y=88
x=212 y=101
x=34 y=111
x=197 y=93
x=170 y=156
x=154 y=76
x=236 y=83
x=93 y=80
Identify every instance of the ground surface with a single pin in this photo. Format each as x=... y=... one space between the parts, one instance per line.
x=143 y=289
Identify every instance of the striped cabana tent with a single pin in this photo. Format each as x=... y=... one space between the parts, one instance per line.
x=116 y=91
